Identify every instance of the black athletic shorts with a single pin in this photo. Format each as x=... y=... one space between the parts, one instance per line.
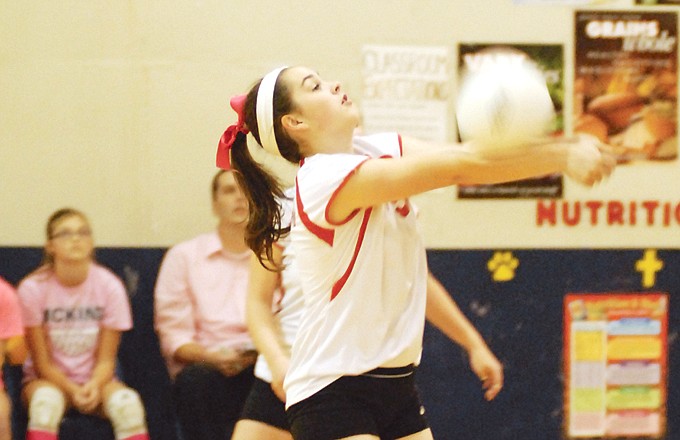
x=382 y=402
x=263 y=406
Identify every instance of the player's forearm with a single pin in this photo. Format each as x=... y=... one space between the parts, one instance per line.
x=457 y=328
x=442 y=167
x=264 y=331
x=478 y=167
x=262 y=326
x=444 y=313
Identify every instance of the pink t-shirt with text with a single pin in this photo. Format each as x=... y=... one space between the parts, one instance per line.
x=72 y=317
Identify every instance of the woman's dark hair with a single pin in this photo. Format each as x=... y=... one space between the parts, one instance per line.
x=263 y=190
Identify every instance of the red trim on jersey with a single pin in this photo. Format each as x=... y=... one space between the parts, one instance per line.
x=282 y=293
x=337 y=287
x=404 y=210
x=324 y=234
x=335 y=193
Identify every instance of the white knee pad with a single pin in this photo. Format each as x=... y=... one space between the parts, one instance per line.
x=46 y=409
x=126 y=412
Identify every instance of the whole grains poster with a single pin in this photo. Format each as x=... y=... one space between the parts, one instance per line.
x=625 y=82
x=615 y=355
x=549 y=59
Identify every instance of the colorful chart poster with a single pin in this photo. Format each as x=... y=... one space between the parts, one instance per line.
x=406 y=89
x=615 y=352
x=550 y=59
x=625 y=81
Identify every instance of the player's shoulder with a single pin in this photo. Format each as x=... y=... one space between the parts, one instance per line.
x=378 y=144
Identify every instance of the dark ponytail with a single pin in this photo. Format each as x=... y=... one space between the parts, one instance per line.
x=263 y=190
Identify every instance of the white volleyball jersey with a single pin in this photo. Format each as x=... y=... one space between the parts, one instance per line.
x=288 y=310
x=364 y=280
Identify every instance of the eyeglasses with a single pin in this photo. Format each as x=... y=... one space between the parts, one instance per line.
x=68 y=235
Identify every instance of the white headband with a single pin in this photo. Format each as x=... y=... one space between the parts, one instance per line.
x=265 y=111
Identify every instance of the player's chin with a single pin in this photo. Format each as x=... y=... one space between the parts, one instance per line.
x=353 y=114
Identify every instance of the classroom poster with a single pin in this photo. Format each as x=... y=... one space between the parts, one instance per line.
x=615 y=353
x=625 y=82
x=406 y=89
x=549 y=58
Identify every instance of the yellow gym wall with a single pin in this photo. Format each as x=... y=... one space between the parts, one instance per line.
x=116 y=107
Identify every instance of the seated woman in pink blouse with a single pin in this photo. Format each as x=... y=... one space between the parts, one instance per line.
x=74 y=311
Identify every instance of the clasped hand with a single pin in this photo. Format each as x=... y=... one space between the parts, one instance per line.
x=232 y=361
x=87 y=397
x=589 y=161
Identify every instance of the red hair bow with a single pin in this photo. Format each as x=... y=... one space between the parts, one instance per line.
x=238 y=103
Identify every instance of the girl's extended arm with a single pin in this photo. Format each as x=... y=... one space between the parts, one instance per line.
x=425 y=167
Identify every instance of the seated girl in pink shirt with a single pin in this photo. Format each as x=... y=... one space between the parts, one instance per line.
x=74 y=311
x=10 y=327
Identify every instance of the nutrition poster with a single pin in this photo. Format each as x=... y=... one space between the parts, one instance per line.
x=625 y=82
x=615 y=356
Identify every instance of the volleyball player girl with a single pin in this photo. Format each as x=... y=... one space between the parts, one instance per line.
x=358 y=249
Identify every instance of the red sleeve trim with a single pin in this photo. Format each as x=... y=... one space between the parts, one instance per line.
x=337 y=287
x=404 y=210
x=335 y=193
x=324 y=234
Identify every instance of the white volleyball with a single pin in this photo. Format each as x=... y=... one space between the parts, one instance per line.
x=504 y=103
